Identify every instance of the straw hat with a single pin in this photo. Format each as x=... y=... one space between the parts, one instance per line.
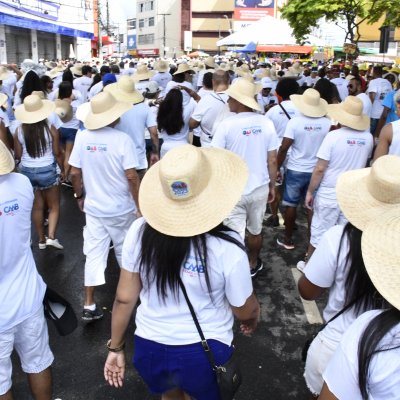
x=7 y=163
x=191 y=190
x=34 y=109
x=182 y=68
x=381 y=255
x=210 y=62
x=3 y=100
x=77 y=69
x=243 y=70
x=364 y=194
x=162 y=66
x=310 y=103
x=350 y=113
x=53 y=73
x=104 y=109
x=124 y=90
x=296 y=69
x=63 y=110
x=244 y=91
x=142 y=73
x=50 y=64
x=4 y=73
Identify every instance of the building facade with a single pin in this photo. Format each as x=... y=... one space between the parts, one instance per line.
x=39 y=29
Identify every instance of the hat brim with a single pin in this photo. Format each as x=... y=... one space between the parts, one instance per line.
x=355 y=200
x=308 y=110
x=7 y=163
x=182 y=72
x=337 y=113
x=133 y=98
x=245 y=100
x=82 y=111
x=31 y=117
x=100 y=120
x=162 y=69
x=143 y=77
x=76 y=71
x=201 y=213
x=381 y=255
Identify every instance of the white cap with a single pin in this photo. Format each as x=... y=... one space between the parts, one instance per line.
x=267 y=83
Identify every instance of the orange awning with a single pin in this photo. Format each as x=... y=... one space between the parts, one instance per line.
x=285 y=49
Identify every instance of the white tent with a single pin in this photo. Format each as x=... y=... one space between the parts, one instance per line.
x=267 y=31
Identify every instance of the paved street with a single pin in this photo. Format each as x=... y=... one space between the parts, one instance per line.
x=271 y=362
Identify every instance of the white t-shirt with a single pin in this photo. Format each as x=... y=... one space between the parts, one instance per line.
x=265 y=101
x=381 y=87
x=21 y=287
x=8 y=85
x=367 y=104
x=341 y=84
x=73 y=123
x=170 y=322
x=280 y=119
x=394 y=147
x=83 y=84
x=4 y=118
x=206 y=112
x=251 y=136
x=103 y=155
x=141 y=86
x=345 y=149
x=162 y=78
x=307 y=135
x=341 y=375
x=134 y=123
x=327 y=268
x=95 y=89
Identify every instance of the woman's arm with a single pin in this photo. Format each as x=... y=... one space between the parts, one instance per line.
x=17 y=147
x=326 y=394
x=309 y=291
x=248 y=314
x=56 y=149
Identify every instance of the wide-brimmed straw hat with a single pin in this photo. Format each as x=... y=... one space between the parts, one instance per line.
x=7 y=163
x=381 y=254
x=124 y=90
x=4 y=73
x=50 y=64
x=63 y=110
x=364 y=194
x=104 y=110
x=3 y=100
x=243 y=70
x=53 y=73
x=210 y=62
x=182 y=68
x=350 y=113
x=192 y=190
x=244 y=91
x=310 y=103
x=34 y=109
x=142 y=73
x=162 y=66
x=77 y=69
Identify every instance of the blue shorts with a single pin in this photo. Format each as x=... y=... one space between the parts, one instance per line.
x=42 y=177
x=67 y=135
x=295 y=189
x=165 y=367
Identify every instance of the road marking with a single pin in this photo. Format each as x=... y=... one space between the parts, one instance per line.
x=310 y=307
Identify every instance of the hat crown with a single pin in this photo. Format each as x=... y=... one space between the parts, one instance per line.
x=142 y=69
x=311 y=97
x=102 y=102
x=126 y=84
x=384 y=180
x=33 y=103
x=353 y=105
x=182 y=173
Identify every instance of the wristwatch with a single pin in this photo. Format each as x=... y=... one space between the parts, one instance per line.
x=78 y=197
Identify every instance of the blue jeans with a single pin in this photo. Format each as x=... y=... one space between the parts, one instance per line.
x=295 y=187
x=41 y=177
x=68 y=135
x=165 y=367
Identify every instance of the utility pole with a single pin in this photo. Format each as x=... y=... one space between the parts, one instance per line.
x=107 y=18
x=164 y=35
x=100 y=51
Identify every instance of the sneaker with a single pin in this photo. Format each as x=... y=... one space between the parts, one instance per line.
x=54 y=243
x=301 y=265
x=272 y=220
x=67 y=184
x=42 y=245
x=284 y=242
x=259 y=266
x=89 y=315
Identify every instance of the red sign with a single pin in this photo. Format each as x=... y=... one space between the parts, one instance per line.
x=148 y=52
x=252 y=14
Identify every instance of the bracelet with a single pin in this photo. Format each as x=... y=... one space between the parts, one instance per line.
x=115 y=349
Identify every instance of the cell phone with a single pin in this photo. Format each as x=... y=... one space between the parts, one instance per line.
x=272 y=102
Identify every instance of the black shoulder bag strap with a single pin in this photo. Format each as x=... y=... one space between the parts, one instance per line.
x=204 y=343
x=347 y=307
x=283 y=109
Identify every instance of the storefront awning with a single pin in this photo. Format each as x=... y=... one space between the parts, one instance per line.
x=285 y=49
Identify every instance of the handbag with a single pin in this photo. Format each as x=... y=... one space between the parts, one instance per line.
x=228 y=375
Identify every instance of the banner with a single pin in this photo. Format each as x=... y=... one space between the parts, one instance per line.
x=253 y=10
x=131 y=42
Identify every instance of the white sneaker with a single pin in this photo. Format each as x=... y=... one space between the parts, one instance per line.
x=301 y=265
x=55 y=243
x=42 y=246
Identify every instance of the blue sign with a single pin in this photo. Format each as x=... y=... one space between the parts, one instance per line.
x=131 y=42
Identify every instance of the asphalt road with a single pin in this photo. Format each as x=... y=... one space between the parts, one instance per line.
x=271 y=363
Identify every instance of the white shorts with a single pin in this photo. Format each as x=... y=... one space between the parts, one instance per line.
x=249 y=212
x=97 y=235
x=324 y=217
x=30 y=339
x=319 y=354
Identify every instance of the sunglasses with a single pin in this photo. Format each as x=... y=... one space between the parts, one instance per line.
x=350 y=86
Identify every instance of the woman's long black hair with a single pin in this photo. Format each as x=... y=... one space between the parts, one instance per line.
x=36 y=137
x=65 y=90
x=170 y=113
x=163 y=256
x=369 y=342
x=31 y=84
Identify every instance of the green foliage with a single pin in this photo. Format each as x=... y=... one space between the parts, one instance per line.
x=304 y=15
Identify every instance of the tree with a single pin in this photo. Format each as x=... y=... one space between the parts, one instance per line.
x=303 y=15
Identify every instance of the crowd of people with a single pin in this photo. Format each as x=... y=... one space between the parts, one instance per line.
x=175 y=164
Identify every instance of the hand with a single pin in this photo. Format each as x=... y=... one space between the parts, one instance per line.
x=309 y=202
x=248 y=327
x=154 y=158
x=81 y=203
x=271 y=194
x=114 y=369
x=278 y=177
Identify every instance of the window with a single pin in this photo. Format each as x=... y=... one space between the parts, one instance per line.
x=151 y=21
x=141 y=23
x=146 y=39
x=131 y=23
x=152 y=5
x=141 y=7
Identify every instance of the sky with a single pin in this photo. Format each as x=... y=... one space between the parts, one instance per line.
x=120 y=10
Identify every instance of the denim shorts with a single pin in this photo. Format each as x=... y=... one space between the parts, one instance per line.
x=42 y=177
x=295 y=187
x=67 y=135
x=165 y=367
